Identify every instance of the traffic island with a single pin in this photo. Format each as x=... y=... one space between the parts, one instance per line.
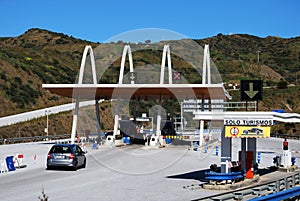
x=230 y=185
x=292 y=168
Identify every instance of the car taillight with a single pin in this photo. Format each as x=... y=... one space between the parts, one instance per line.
x=71 y=156
x=49 y=156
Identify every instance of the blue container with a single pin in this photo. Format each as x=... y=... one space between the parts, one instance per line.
x=217 y=150
x=128 y=140
x=196 y=146
x=293 y=160
x=258 y=157
x=95 y=145
x=10 y=163
x=168 y=140
x=205 y=148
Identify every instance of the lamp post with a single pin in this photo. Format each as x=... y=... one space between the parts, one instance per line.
x=47 y=128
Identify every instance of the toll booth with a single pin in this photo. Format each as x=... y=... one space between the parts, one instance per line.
x=168 y=127
x=127 y=128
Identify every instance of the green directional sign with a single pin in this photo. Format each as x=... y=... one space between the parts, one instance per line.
x=251 y=90
x=132 y=76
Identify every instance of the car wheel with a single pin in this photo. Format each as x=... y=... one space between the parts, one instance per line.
x=74 y=168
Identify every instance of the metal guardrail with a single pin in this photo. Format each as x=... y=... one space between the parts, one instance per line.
x=277 y=135
x=33 y=139
x=271 y=187
x=282 y=195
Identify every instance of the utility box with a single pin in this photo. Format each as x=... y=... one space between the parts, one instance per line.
x=286 y=159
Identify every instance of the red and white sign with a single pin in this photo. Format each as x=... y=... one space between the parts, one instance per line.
x=234 y=131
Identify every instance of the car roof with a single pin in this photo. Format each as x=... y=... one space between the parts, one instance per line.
x=64 y=145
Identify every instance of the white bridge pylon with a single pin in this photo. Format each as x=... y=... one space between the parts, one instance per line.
x=206 y=81
x=126 y=50
x=87 y=49
x=166 y=55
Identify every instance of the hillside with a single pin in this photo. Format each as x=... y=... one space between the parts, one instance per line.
x=41 y=56
x=28 y=61
x=236 y=56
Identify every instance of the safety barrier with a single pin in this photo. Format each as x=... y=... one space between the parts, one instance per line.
x=282 y=195
x=230 y=176
x=18 y=161
x=153 y=141
x=109 y=140
x=280 y=187
x=10 y=163
x=32 y=139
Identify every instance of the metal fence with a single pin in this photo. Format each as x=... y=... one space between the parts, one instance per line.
x=275 y=187
x=33 y=139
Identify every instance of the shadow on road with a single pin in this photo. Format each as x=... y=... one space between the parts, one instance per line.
x=195 y=175
x=265 y=171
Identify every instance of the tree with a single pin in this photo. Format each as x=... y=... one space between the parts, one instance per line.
x=282 y=84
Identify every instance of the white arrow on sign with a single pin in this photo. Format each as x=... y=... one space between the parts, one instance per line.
x=251 y=93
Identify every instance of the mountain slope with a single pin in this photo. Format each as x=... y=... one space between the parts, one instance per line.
x=40 y=56
x=28 y=61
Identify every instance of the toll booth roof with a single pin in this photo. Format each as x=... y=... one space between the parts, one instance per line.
x=151 y=91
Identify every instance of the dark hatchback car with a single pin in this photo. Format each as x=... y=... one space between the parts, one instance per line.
x=66 y=155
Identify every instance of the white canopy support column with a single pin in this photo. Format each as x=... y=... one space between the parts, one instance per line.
x=80 y=80
x=166 y=55
x=75 y=118
x=98 y=117
x=126 y=50
x=206 y=79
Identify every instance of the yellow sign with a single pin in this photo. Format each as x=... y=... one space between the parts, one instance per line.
x=247 y=131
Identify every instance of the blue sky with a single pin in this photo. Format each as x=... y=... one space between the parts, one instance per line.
x=97 y=20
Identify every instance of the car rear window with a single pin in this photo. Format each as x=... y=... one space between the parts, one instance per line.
x=61 y=149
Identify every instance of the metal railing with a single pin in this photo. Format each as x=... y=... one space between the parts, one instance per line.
x=288 y=136
x=270 y=187
x=33 y=139
x=282 y=195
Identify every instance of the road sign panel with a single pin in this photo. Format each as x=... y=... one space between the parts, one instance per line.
x=251 y=90
x=234 y=131
x=247 y=131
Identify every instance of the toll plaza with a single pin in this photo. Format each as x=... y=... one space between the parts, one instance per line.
x=248 y=126
x=160 y=91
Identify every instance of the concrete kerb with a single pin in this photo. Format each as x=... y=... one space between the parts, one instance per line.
x=288 y=169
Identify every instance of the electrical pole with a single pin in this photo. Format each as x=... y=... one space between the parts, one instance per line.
x=258 y=51
x=47 y=129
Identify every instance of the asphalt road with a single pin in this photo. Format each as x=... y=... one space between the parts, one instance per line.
x=125 y=173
